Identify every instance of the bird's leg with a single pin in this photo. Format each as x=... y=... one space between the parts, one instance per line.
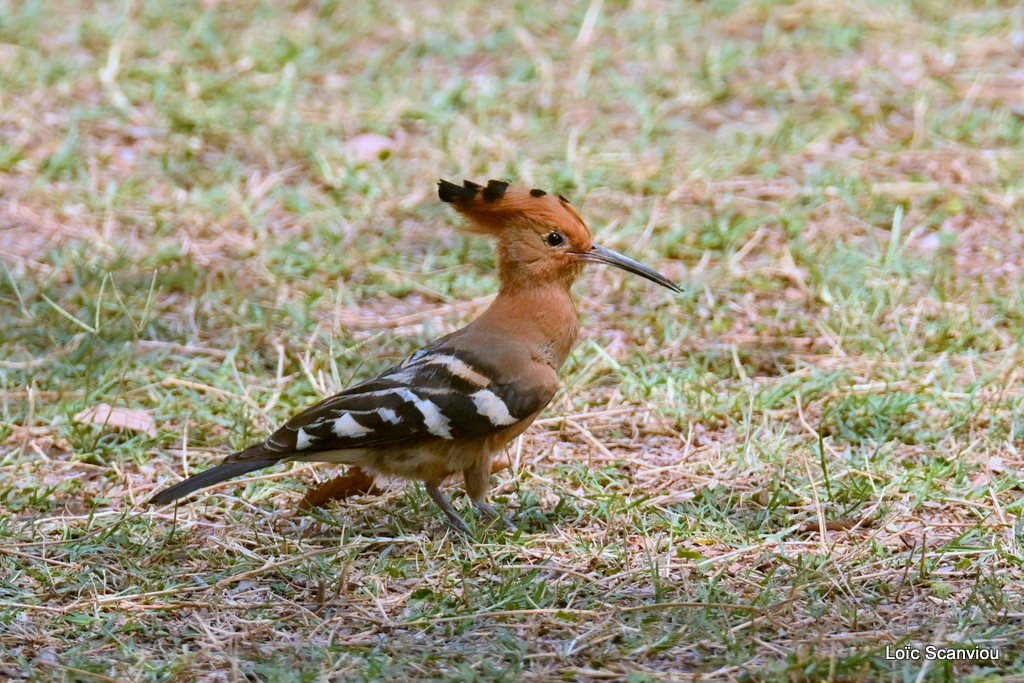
x=434 y=491
x=477 y=479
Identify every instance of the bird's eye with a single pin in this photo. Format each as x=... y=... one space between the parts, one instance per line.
x=554 y=239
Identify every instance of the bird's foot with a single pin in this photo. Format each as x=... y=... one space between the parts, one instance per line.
x=456 y=521
x=492 y=515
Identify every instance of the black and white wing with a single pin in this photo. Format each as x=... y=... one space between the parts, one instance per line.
x=439 y=392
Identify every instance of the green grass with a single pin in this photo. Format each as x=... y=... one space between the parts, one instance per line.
x=811 y=454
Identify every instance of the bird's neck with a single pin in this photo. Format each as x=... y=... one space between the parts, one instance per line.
x=541 y=315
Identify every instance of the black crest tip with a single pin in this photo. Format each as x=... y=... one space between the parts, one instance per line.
x=450 y=192
x=537 y=193
x=470 y=185
x=562 y=197
x=495 y=190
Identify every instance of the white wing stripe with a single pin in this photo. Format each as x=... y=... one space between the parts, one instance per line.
x=402 y=376
x=490 y=405
x=303 y=440
x=409 y=371
x=459 y=368
x=437 y=423
x=347 y=426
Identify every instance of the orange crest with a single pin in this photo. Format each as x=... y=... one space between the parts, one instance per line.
x=493 y=209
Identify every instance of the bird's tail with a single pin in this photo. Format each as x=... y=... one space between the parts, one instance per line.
x=244 y=463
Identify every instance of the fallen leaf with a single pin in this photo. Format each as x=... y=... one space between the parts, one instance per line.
x=500 y=463
x=368 y=146
x=830 y=525
x=105 y=415
x=353 y=482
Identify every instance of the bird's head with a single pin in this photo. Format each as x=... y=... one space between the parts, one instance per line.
x=540 y=236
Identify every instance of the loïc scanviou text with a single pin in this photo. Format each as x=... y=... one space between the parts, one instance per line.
x=935 y=652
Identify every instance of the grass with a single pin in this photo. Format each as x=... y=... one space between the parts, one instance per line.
x=810 y=456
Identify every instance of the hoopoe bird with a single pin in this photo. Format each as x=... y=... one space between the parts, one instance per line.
x=453 y=405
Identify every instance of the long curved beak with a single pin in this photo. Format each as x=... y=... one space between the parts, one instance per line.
x=599 y=254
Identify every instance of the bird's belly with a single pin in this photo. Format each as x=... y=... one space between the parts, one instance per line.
x=427 y=460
